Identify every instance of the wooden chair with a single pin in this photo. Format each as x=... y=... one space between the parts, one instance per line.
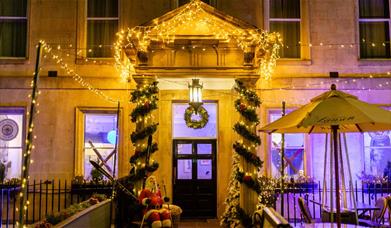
x=270 y=218
x=378 y=215
x=305 y=211
x=388 y=198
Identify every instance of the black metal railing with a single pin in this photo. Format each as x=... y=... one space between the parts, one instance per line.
x=45 y=197
x=363 y=192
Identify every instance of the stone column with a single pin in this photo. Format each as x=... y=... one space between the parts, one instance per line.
x=249 y=197
x=142 y=81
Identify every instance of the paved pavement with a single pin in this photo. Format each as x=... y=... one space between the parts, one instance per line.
x=209 y=223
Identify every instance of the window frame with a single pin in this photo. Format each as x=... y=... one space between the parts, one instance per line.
x=23 y=110
x=364 y=147
x=212 y=3
x=79 y=136
x=359 y=20
x=269 y=146
x=305 y=50
x=181 y=102
x=15 y=59
x=82 y=29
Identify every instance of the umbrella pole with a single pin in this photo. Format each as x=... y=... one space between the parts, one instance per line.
x=334 y=129
x=282 y=163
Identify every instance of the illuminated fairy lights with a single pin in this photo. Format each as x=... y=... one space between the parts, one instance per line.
x=193 y=17
x=27 y=161
x=57 y=58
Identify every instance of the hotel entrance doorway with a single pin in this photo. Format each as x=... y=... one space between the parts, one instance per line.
x=194 y=177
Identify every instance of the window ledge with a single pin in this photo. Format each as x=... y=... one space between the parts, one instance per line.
x=95 y=61
x=296 y=62
x=374 y=62
x=13 y=60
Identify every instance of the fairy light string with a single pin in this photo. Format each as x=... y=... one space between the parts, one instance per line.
x=59 y=60
x=26 y=160
x=139 y=38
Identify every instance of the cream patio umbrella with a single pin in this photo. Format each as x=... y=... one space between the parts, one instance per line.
x=332 y=112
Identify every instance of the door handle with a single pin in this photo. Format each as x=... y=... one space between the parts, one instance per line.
x=174 y=175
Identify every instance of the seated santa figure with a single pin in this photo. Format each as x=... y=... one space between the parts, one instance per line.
x=151 y=197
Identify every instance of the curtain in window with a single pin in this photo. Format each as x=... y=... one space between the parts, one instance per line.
x=374 y=35
x=101 y=36
x=374 y=40
x=102 y=8
x=13 y=28
x=102 y=25
x=290 y=32
x=285 y=19
x=374 y=9
x=285 y=9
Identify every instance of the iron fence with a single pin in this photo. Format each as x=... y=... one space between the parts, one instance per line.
x=363 y=192
x=45 y=197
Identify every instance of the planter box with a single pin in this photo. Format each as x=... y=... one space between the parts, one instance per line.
x=300 y=188
x=376 y=188
x=89 y=189
x=97 y=216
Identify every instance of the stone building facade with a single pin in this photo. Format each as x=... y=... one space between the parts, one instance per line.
x=330 y=51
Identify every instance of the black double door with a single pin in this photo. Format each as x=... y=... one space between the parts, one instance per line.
x=194 y=177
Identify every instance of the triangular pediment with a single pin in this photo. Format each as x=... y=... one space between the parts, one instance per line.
x=197 y=18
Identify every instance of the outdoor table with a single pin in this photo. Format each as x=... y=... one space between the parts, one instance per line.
x=326 y=225
x=361 y=208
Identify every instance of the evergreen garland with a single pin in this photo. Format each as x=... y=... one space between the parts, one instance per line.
x=242 y=130
x=138 y=154
x=244 y=148
x=137 y=174
x=246 y=154
x=248 y=112
x=147 y=92
x=249 y=181
x=143 y=110
x=145 y=99
x=143 y=133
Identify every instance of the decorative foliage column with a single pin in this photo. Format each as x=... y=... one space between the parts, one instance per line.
x=244 y=186
x=145 y=98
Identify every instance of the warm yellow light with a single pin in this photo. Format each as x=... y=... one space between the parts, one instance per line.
x=195 y=93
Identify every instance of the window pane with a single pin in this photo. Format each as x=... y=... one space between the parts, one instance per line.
x=204 y=148
x=181 y=130
x=290 y=32
x=374 y=40
x=13 y=38
x=378 y=153
x=102 y=8
x=13 y=8
x=285 y=9
x=374 y=9
x=204 y=169
x=100 y=129
x=294 y=151
x=185 y=148
x=184 y=169
x=100 y=38
x=11 y=141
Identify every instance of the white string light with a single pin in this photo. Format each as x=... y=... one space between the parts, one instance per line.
x=59 y=60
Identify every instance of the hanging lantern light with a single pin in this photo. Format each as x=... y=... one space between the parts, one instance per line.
x=195 y=94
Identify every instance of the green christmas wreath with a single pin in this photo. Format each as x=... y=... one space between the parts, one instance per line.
x=196 y=124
